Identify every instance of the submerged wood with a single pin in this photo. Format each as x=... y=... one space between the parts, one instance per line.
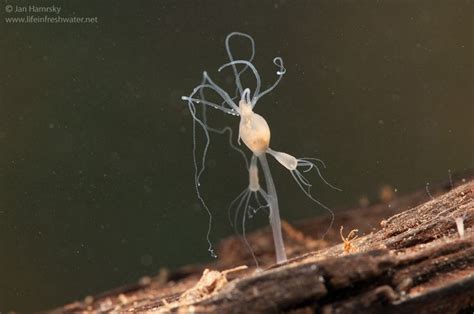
x=415 y=262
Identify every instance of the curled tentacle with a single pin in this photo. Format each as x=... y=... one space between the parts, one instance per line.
x=260 y=205
x=207 y=83
x=198 y=171
x=237 y=74
x=305 y=185
x=208 y=103
x=242 y=207
x=254 y=70
x=306 y=162
x=296 y=174
x=293 y=164
x=239 y=202
x=202 y=122
x=278 y=61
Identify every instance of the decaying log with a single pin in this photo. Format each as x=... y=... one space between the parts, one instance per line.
x=417 y=262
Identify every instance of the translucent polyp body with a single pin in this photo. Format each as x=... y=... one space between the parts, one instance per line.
x=255 y=133
x=253 y=129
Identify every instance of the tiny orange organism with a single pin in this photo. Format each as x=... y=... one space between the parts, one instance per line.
x=347 y=245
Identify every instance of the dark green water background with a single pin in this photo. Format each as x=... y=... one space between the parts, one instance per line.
x=96 y=176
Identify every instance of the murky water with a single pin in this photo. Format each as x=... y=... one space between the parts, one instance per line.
x=96 y=167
